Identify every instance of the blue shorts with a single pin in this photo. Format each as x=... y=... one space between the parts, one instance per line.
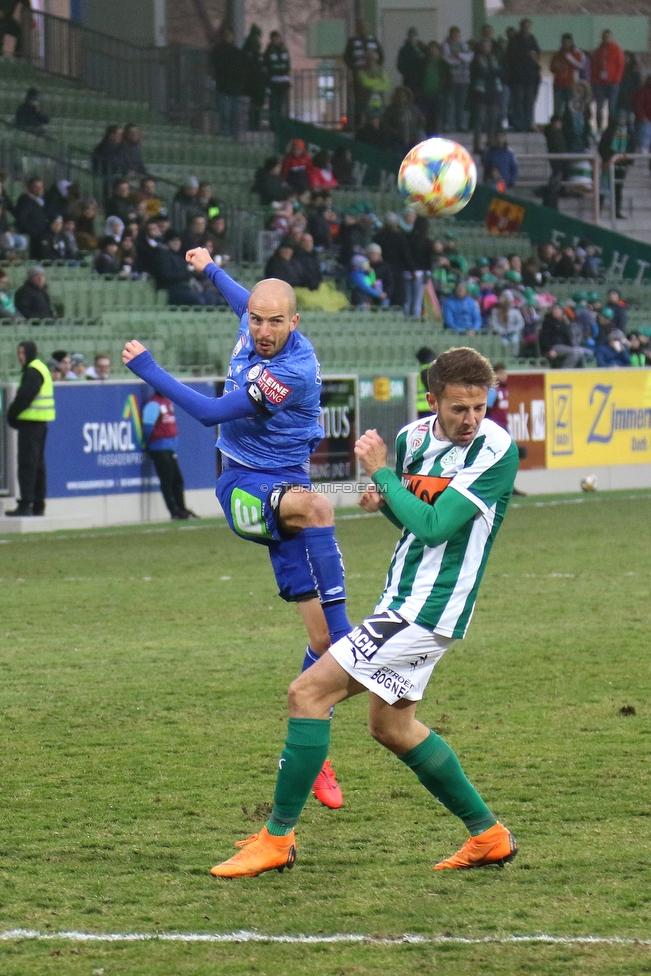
x=250 y=500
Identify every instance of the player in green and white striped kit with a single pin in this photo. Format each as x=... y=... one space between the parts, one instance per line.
x=453 y=481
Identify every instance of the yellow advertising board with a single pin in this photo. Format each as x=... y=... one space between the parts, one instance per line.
x=598 y=417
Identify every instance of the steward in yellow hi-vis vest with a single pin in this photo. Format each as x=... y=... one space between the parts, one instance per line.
x=29 y=414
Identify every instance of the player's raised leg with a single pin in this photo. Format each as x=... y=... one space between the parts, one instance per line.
x=309 y=517
x=310 y=699
x=432 y=760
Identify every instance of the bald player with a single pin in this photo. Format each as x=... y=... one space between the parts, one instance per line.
x=269 y=427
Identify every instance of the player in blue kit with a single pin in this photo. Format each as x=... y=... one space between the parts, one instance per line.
x=269 y=426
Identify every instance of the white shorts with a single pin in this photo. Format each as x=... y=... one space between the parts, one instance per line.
x=390 y=656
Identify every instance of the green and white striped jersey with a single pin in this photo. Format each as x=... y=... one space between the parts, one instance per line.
x=436 y=587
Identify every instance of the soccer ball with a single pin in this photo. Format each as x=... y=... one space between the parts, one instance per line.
x=589 y=483
x=437 y=176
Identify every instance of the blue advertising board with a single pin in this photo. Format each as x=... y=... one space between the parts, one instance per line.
x=95 y=445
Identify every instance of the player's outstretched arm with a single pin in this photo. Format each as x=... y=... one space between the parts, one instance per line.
x=236 y=296
x=432 y=524
x=207 y=410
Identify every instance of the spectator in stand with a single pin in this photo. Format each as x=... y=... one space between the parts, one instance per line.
x=61 y=197
x=507 y=322
x=499 y=156
x=308 y=263
x=297 y=166
x=101 y=368
x=382 y=271
x=64 y=361
x=9 y=24
x=636 y=349
x=107 y=159
x=320 y=216
x=397 y=254
x=52 y=245
x=149 y=238
x=372 y=132
x=108 y=261
x=457 y=55
x=132 y=162
x=30 y=213
x=373 y=85
x=278 y=67
x=194 y=234
x=216 y=233
x=631 y=82
x=529 y=345
x=8 y=313
x=501 y=48
x=70 y=235
x=229 y=71
x=611 y=345
x=422 y=256
x=619 y=308
x=357 y=48
x=78 y=368
x=147 y=195
x=282 y=265
x=567 y=265
x=342 y=166
x=170 y=271
x=616 y=141
x=524 y=71
x=5 y=199
x=485 y=95
x=641 y=104
x=209 y=203
x=566 y=66
x=29 y=114
x=607 y=71
x=556 y=340
x=411 y=62
x=321 y=175
x=461 y=311
x=268 y=183
x=10 y=243
x=55 y=370
x=555 y=140
x=186 y=204
x=364 y=286
x=120 y=204
x=255 y=77
x=86 y=213
x=435 y=82
x=404 y=120
x=577 y=128
x=32 y=299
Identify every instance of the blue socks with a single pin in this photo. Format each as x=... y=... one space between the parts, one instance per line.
x=328 y=572
x=309 y=659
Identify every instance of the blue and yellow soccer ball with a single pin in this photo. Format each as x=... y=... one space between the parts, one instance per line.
x=437 y=177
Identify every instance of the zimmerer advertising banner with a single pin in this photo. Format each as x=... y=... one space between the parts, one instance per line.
x=598 y=417
x=95 y=446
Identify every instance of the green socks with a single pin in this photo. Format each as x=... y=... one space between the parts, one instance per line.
x=440 y=772
x=306 y=749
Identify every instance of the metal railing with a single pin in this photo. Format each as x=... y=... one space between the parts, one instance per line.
x=588 y=186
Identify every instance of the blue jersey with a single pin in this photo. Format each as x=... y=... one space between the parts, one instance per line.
x=286 y=391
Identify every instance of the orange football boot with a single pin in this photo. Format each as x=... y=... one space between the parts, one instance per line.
x=326 y=788
x=496 y=845
x=259 y=852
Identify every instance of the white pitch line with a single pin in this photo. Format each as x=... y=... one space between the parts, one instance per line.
x=12 y=935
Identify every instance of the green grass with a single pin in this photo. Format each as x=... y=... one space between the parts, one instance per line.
x=142 y=711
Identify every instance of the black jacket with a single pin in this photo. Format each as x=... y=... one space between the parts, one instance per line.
x=269 y=187
x=33 y=302
x=229 y=69
x=554 y=333
x=28 y=117
x=289 y=271
x=310 y=269
x=168 y=267
x=395 y=250
x=31 y=218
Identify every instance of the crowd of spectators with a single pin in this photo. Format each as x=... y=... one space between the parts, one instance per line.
x=74 y=366
x=140 y=236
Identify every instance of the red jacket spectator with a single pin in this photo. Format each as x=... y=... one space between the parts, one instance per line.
x=641 y=102
x=566 y=66
x=297 y=166
x=607 y=64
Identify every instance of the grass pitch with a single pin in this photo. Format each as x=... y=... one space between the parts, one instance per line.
x=143 y=677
